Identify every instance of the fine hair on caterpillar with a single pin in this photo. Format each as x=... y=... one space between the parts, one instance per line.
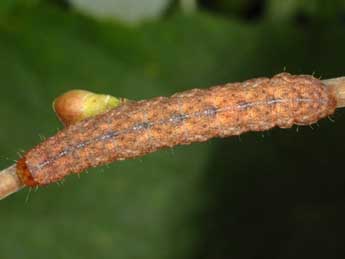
x=137 y=128
x=174 y=120
x=125 y=129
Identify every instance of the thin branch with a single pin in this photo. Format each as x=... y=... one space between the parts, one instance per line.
x=9 y=182
x=337 y=85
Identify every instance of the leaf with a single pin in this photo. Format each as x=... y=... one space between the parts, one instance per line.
x=124 y=10
x=317 y=9
x=238 y=197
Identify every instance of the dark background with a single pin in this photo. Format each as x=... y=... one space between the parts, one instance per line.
x=276 y=194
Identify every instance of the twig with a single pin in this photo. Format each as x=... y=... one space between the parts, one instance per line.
x=137 y=128
x=337 y=85
x=9 y=182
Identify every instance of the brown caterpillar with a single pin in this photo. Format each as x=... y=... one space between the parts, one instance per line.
x=138 y=128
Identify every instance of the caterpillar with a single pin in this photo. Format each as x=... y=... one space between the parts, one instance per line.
x=136 y=128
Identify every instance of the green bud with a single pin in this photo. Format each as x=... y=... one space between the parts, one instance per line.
x=77 y=105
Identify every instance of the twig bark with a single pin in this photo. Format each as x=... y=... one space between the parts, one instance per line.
x=9 y=182
x=337 y=85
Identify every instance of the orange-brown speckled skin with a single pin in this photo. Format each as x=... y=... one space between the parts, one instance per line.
x=145 y=126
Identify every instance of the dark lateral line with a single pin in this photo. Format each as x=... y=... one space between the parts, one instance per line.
x=175 y=119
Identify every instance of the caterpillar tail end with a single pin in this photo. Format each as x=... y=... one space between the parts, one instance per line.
x=337 y=86
x=9 y=182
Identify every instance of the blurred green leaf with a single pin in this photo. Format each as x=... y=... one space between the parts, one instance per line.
x=8 y=5
x=245 y=198
x=318 y=9
x=124 y=10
